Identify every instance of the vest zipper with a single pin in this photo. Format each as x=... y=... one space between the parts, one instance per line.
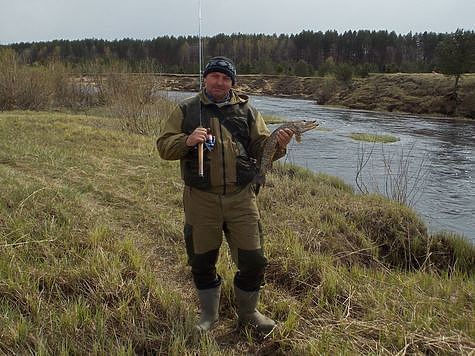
x=222 y=155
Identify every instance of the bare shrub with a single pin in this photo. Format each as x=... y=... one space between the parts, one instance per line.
x=401 y=182
x=22 y=87
x=40 y=87
x=327 y=90
x=134 y=100
x=70 y=91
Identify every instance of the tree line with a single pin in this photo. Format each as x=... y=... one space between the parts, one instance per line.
x=304 y=54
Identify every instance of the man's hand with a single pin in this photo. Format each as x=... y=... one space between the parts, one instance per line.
x=283 y=137
x=197 y=136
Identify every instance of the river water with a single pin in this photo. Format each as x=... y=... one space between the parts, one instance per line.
x=432 y=165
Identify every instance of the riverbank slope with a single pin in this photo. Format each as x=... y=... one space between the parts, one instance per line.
x=421 y=93
x=92 y=258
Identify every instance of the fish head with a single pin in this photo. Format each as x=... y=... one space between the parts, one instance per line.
x=301 y=126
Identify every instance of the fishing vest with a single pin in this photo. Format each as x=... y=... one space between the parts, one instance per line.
x=237 y=119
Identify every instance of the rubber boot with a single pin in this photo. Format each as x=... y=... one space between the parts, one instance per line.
x=248 y=314
x=209 y=307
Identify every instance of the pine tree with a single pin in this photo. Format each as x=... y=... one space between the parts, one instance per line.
x=455 y=55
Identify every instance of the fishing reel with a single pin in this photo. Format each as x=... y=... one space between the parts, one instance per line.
x=210 y=140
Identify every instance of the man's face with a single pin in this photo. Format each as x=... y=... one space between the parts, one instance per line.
x=217 y=85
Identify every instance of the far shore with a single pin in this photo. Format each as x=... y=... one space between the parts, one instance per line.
x=425 y=94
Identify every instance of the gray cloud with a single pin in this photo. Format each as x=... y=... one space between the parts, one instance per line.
x=37 y=20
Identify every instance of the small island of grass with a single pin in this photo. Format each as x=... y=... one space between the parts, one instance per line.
x=373 y=138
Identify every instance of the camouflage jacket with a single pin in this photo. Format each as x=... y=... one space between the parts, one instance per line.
x=240 y=133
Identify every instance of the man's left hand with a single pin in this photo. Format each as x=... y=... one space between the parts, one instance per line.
x=283 y=137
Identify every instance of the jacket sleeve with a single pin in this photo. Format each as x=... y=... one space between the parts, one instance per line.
x=259 y=135
x=171 y=142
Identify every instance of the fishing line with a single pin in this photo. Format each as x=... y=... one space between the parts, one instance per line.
x=200 y=51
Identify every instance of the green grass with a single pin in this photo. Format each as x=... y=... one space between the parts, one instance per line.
x=373 y=137
x=92 y=257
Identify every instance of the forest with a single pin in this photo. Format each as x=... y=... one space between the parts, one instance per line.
x=307 y=53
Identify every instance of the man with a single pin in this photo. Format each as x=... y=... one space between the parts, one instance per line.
x=223 y=200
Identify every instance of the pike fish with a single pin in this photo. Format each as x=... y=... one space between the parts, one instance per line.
x=270 y=148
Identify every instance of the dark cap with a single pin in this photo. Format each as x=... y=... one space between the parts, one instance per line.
x=223 y=65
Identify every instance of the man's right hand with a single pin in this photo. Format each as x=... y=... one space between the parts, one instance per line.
x=197 y=136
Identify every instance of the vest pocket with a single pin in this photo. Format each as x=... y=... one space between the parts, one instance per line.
x=191 y=176
x=246 y=170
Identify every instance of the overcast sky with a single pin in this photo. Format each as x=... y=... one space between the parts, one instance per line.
x=43 y=20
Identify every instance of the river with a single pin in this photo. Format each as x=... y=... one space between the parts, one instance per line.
x=432 y=163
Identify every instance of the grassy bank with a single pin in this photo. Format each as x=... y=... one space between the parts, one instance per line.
x=92 y=258
x=422 y=93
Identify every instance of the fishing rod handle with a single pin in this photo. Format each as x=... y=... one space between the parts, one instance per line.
x=200 y=160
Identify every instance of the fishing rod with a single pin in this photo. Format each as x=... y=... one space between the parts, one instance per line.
x=200 y=54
